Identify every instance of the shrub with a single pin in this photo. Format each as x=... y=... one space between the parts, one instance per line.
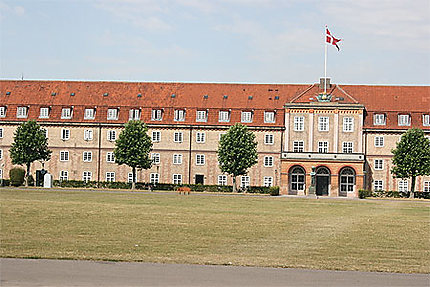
x=362 y=193
x=16 y=176
x=30 y=180
x=274 y=190
x=5 y=182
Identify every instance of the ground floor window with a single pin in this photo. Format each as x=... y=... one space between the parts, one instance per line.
x=222 y=179
x=110 y=176
x=347 y=180
x=378 y=185
x=425 y=189
x=244 y=181
x=130 y=177
x=297 y=179
x=177 y=179
x=403 y=186
x=64 y=175
x=268 y=181
x=154 y=178
x=87 y=176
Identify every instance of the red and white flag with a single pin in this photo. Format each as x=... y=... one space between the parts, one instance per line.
x=330 y=39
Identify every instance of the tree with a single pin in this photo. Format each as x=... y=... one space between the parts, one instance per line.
x=411 y=157
x=133 y=147
x=29 y=144
x=237 y=151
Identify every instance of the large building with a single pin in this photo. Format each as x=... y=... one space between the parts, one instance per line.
x=346 y=135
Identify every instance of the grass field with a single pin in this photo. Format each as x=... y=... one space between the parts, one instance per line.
x=392 y=236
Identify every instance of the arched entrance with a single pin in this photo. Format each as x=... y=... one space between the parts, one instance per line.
x=322 y=180
x=297 y=180
x=346 y=181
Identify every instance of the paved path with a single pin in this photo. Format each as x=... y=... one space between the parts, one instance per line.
x=42 y=272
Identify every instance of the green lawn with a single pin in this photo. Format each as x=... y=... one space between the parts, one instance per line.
x=392 y=236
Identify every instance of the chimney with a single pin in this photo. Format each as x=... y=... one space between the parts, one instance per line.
x=322 y=82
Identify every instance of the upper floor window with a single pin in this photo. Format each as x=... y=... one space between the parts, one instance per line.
x=348 y=124
x=404 y=120
x=64 y=155
x=246 y=117
x=224 y=116
x=112 y=114
x=87 y=156
x=44 y=113
x=111 y=135
x=134 y=115
x=1 y=133
x=347 y=147
x=65 y=134
x=323 y=147
x=177 y=158
x=268 y=139
x=89 y=114
x=2 y=112
x=21 y=112
x=201 y=116
x=299 y=123
x=1 y=154
x=268 y=161
x=200 y=159
x=178 y=137
x=156 y=136
x=379 y=141
x=323 y=124
x=179 y=115
x=66 y=113
x=269 y=117
x=426 y=120
x=155 y=157
x=110 y=157
x=157 y=115
x=88 y=135
x=200 y=137
x=298 y=146
x=379 y=119
x=378 y=164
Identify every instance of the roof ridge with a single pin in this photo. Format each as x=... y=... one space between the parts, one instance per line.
x=302 y=93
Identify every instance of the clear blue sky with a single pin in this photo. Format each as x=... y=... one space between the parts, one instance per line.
x=248 y=41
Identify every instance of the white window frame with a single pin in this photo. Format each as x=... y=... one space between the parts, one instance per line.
x=177 y=158
x=426 y=186
x=44 y=113
x=378 y=164
x=200 y=137
x=348 y=124
x=156 y=136
x=179 y=115
x=201 y=116
x=403 y=185
x=88 y=134
x=111 y=135
x=269 y=117
x=200 y=159
x=268 y=181
x=21 y=112
x=379 y=120
x=299 y=123
x=112 y=114
x=156 y=115
x=134 y=115
x=224 y=116
x=87 y=156
x=64 y=155
x=66 y=113
x=65 y=134
x=298 y=146
x=347 y=147
x=268 y=161
x=426 y=120
x=1 y=173
x=269 y=139
x=87 y=176
x=323 y=147
x=110 y=157
x=154 y=178
x=245 y=181
x=64 y=175
x=323 y=124
x=404 y=120
x=177 y=178
x=89 y=114
x=378 y=185
x=246 y=116
x=1 y=153
x=1 y=132
x=130 y=177
x=222 y=179
x=3 y=111
x=178 y=137
x=155 y=157
x=379 y=141
x=110 y=176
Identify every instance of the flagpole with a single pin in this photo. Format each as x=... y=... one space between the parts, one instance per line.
x=325 y=60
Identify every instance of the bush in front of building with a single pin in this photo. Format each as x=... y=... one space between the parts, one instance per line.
x=16 y=176
x=391 y=194
x=5 y=182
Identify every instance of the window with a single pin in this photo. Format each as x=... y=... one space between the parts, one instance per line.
x=224 y=116
x=268 y=139
x=1 y=133
x=299 y=123
x=348 y=124
x=379 y=119
x=156 y=136
x=200 y=137
x=378 y=185
x=2 y=112
x=88 y=135
x=157 y=115
x=89 y=114
x=154 y=178
x=1 y=174
x=155 y=157
x=244 y=181
x=268 y=181
x=179 y=115
x=110 y=176
x=426 y=120
x=404 y=120
x=111 y=135
x=178 y=137
x=269 y=117
x=44 y=113
x=200 y=159
x=246 y=117
x=222 y=179
x=64 y=175
x=134 y=115
x=21 y=112
x=323 y=124
x=297 y=180
x=426 y=186
x=379 y=164
x=347 y=147
x=64 y=155
x=177 y=158
x=403 y=186
x=201 y=116
x=87 y=176
x=177 y=179
x=347 y=181
x=1 y=154
x=65 y=134
x=268 y=161
x=112 y=114
x=66 y=113
x=379 y=141
x=110 y=157
x=298 y=146
x=130 y=177
x=87 y=156
x=323 y=147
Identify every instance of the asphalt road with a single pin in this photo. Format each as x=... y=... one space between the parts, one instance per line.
x=42 y=272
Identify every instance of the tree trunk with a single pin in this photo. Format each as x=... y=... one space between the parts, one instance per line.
x=27 y=174
x=412 y=194
x=234 y=184
x=133 y=184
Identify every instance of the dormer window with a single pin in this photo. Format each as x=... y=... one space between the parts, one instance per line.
x=2 y=112
x=21 y=112
x=44 y=113
x=112 y=114
x=426 y=120
x=269 y=117
x=224 y=116
x=134 y=115
x=246 y=117
x=179 y=115
x=201 y=116
x=157 y=115
x=404 y=120
x=66 y=113
x=89 y=114
x=379 y=119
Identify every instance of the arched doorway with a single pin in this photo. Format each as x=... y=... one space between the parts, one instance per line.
x=297 y=180
x=322 y=180
x=346 y=181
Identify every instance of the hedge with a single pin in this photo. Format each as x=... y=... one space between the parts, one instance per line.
x=16 y=176
x=391 y=194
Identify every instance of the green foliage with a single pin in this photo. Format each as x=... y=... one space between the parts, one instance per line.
x=16 y=176
x=29 y=144
x=5 y=182
x=362 y=193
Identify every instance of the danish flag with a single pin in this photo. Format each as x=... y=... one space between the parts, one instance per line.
x=330 y=39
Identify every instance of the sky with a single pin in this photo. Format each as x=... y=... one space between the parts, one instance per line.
x=383 y=42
